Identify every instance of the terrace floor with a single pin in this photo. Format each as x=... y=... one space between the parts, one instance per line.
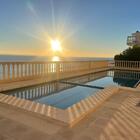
x=20 y=84
x=117 y=119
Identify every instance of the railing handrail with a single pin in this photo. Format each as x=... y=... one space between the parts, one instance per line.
x=125 y=61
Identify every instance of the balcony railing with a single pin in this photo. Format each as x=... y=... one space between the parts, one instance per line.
x=19 y=71
x=127 y=65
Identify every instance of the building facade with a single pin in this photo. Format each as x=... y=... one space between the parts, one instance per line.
x=134 y=39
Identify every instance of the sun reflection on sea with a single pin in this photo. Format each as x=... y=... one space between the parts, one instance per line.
x=55 y=58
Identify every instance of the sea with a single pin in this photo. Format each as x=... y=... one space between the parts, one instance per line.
x=24 y=58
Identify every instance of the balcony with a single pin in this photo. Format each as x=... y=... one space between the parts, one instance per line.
x=131 y=40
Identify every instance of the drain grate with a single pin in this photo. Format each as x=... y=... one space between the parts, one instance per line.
x=138 y=104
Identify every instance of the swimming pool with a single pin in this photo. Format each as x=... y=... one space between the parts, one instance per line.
x=62 y=95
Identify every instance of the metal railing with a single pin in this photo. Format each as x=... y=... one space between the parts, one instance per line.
x=18 y=71
x=127 y=65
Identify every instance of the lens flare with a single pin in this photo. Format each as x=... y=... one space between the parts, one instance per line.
x=56 y=45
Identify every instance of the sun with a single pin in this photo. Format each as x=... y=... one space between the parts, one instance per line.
x=56 y=45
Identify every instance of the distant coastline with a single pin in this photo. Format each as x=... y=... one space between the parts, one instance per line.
x=20 y=58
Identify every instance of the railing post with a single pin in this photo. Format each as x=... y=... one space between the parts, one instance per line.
x=17 y=74
x=21 y=70
x=8 y=66
x=13 y=71
x=33 y=69
x=29 y=70
x=3 y=66
x=58 y=70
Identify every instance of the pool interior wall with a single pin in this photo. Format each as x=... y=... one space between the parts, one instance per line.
x=62 y=95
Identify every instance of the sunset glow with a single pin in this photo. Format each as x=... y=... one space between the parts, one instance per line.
x=49 y=28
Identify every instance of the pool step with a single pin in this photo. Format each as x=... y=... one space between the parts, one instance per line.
x=77 y=84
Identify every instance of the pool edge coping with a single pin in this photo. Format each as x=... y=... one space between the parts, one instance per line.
x=69 y=116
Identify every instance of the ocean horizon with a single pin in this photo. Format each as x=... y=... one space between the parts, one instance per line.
x=27 y=58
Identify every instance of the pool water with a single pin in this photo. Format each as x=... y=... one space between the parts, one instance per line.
x=68 y=97
x=63 y=95
x=103 y=82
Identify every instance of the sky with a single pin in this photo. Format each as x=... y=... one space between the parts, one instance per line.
x=85 y=28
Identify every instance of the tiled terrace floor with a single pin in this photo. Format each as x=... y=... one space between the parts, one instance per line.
x=117 y=119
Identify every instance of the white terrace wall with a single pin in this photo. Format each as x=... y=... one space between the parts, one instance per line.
x=18 y=71
x=128 y=65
